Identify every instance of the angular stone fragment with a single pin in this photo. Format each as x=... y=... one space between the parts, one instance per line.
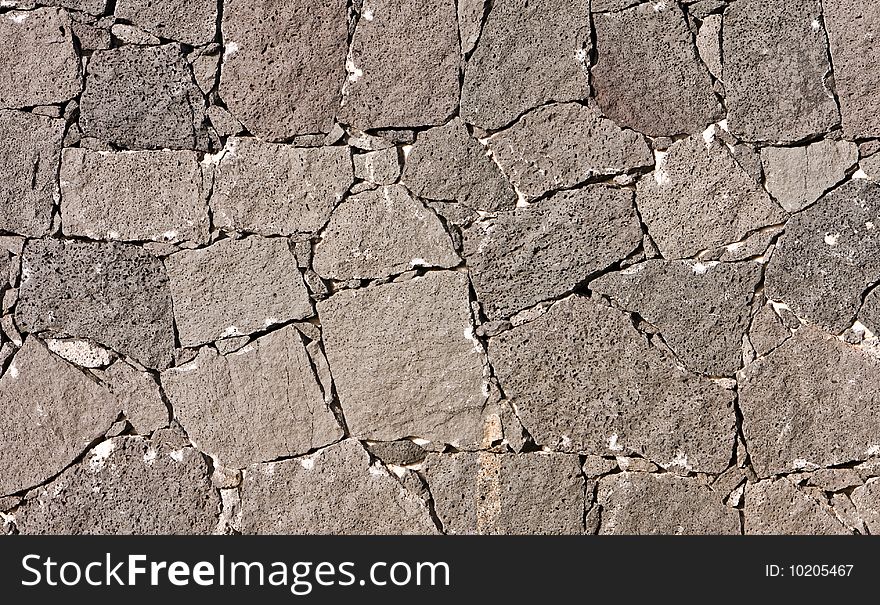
x=39 y=59
x=129 y=34
x=584 y=380
x=446 y=163
x=403 y=65
x=542 y=251
x=871 y=167
x=223 y=121
x=835 y=479
x=401 y=452
x=767 y=330
x=776 y=507
x=648 y=76
x=138 y=395
x=828 y=256
x=52 y=411
x=649 y=503
x=257 y=404
x=235 y=287
x=278 y=189
x=142 y=195
x=562 y=145
x=114 y=294
x=192 y=23
x=530 y=52
x=702 y=310
x=380 y=167
x=80 y=352
x=797 y=403
x=380 y=233
x=418 y=336
x=867 y=501
x=126 y=485
x=334 y=491
x=487 y=493
x=869 y=314
x=470 y=23
x=709 y=43
x=143 y=97
x=29 y=163
x=775 y=68
x=699 y=198
x=797 y=176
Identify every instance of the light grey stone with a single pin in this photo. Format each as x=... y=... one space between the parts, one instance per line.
x=867 y=501
x=871 y=167
x=709 y=43
x=767 y=330
x=835 y=479
x=130 y=34
x=470 y=23
x=776 y=507
x=381 y=167
x=223 y=121
x=797 y=176
x=138 y=396
x=192 y=23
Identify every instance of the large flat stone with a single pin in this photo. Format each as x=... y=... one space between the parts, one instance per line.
x=418 y=336
x=192 y=23
x=539 y=252
x=776 y=507
x=797 y=176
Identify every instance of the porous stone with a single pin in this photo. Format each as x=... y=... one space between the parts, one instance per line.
x=584 y=380
x=273 y=189
x=334 y=491
x=702 y=310
x=114 y=294
x=776 y=507
x=224 y=123
x=867 y=501
x=143 y=97
x=130 y=34
x=257 y=404
x=380 y=233
x=29 y=163
x=754 y=245
x=91 y=37
x=192 y=23
x=403 y=65
x=80 y=352
x=767 y=330
x=418 y=335
x=52 y=411
x=402 y=452
x=871 y=167
x=381 y=167
x=470 y=23
x=835 y=479
x=699 y=198
x=775 y=69
x=650 y=503
x=797 y=176
x=235 y=287
x=529 y=53
x=869 y=314
x=142 y=195
x=488 y=493
x=138 y=396
x=828 y=256
x=709 y=43
x=648 y=76
x=562 y=145
x=538 y=252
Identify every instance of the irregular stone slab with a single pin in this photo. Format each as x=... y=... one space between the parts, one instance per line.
x=380 y=233
x=143 y=97
x=545 y=46
x=131 y=196
x=828 y=256
x=562 y=145
x=401 y=453
x=138 y=395
x=797 y=402
x=699 y=198
x=403 y=65
x=114 y=294
x=381 y=167
x=869 y=314
x=284 y=64
x=470 y=23
x=418 y=335
x=775 y=64
x=80 y=352
x=835 y=479
x=767 y=330
x=584 y=380
x=40 y=60
x=650 y=503
x=446 y=163
x=52 y=411
x=709 y=43
x=648 y=76
x=278 y=189
x=797 y=176
x=29 y=163
x=235 y=287
x=541 y=251
x=334 y=491
x=867 y=501
x=702 y=310
x=853 y=27
x=776 y=507
x=193 y=23
x=126 y=485
x=487 y=493
x=259 y=403
x=871 y=167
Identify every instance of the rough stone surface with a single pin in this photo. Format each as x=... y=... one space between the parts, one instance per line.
x=777 y=507
x=470 y=23
x=709 y=43
x=402 y=452
x=767 y=330
x=192 y=23
x=869 y=314
x=798 y=176
x=380 y=167
x=137 y=393
x=867 y=501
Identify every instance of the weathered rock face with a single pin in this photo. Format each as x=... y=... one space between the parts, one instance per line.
x=584 y=380
x=193 y=23
x=798 y=176
x=828 y=256
x=545 y=47
x=867 y=501
x=381 y=167
x=334 y=491
x=235 y=287
x=767 y=330
x=777 y=507
x=671 y=91
x=487 y=493
x=869 y=314
x=775 y=69
x=418 y=335
x=278 y=189
x=115 y=294
x=544 y=250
